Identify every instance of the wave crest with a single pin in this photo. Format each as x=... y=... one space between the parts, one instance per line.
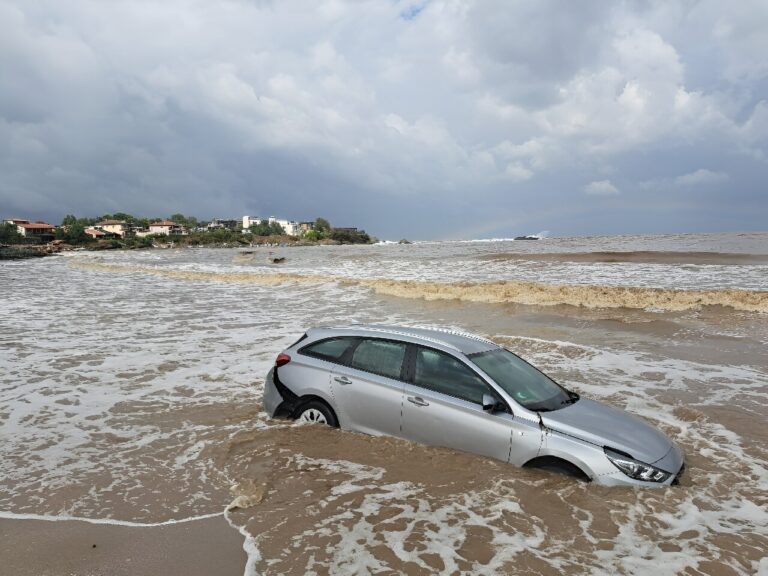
x=502 y=292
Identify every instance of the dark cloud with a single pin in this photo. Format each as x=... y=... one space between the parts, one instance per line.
x=460 y=120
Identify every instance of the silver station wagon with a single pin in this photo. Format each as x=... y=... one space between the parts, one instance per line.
x=461 y=391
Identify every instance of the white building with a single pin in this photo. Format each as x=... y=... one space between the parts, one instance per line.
x=32 y=229
x=291 y=227
x=119 y=227
x=166 y=227
x=249 y=221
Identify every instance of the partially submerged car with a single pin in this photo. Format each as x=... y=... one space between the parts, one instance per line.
x=446 y=388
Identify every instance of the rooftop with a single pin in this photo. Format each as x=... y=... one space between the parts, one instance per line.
x=36 y=226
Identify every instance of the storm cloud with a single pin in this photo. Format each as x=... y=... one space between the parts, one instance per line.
x=441 y=119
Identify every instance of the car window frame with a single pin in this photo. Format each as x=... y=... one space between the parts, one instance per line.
x=411 y=375
x=568 y=392
x=403 y=364
x=347 y=353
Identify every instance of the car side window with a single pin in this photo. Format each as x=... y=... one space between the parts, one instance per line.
x=443 y=373
x=382 y=357
x=332 y=349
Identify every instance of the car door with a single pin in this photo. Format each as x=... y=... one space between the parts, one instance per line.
x=368 y=388
x=443 y=407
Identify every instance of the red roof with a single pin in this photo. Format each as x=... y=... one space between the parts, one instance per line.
x=164 y=223
x=36 y=226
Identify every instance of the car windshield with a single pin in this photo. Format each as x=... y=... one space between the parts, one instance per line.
x=529 y=387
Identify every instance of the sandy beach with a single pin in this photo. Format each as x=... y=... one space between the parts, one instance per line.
x=53 y=548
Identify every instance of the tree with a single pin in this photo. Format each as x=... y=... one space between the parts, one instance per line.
x=76 y=233
x=322 y=225
x=9 y=234
x=265 y=228
x=350 y=236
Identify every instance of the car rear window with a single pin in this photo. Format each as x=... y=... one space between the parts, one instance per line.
x=332 y=349
x=381 y=357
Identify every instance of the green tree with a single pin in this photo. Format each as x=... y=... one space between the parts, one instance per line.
x=265 y=228
x=322 y=226
x=350 y=236
x=75 y=234
x=130 y=219
x=186 y=221
x=9 y=234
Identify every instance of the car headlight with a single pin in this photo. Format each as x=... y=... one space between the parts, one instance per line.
x=636 y=469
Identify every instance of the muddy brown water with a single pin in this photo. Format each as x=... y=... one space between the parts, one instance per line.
x=134 y=398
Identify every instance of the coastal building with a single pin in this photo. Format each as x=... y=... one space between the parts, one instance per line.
x=306 y=227
x=228 y=224
x=166 y=228
x=119 y=227
x=100 y=234
x=249 y=221
x=32 y=229
x=290 y=227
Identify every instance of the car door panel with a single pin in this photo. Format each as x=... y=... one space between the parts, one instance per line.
x=441 y=420
x=367 y=402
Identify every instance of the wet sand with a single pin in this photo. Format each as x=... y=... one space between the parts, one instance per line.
x=48 y=548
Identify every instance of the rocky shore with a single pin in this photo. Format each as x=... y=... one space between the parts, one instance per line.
x=22 y=251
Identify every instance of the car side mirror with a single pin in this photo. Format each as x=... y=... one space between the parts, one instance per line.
x=491 y=404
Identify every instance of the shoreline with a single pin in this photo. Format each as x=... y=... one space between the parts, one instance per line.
x=26 y=251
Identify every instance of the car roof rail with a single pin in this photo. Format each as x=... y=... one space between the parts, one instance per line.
x=404 y=331
x=461 y=333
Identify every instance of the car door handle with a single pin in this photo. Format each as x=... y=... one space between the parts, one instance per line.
x=343 y=380
x=418 y=401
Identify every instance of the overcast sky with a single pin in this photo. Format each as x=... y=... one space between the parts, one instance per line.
x=429 y=119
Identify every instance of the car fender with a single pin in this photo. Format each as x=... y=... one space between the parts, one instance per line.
x=588 y=457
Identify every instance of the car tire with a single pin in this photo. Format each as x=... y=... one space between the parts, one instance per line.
x=316 y=412
x=558 y=466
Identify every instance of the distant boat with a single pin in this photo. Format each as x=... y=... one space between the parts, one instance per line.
x=527 y=237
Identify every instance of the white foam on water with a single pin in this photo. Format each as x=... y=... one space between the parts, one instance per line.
x=442 y=526
x=105 y=521
x=249 y=546
x=108 y=381
x=448 y=263
x=620 y=377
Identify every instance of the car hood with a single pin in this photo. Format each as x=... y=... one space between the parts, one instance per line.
x=605 y=426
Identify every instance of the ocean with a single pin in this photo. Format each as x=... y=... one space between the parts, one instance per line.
x=131 y=384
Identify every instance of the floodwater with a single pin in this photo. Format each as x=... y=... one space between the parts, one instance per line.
x=131 y=384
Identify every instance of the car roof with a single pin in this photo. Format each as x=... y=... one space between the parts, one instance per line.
x=453 y=339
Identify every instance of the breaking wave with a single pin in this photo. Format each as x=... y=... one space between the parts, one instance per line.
x=508 y=291
x=637 y=257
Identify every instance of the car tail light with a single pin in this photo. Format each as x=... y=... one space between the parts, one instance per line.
x=282 y=359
